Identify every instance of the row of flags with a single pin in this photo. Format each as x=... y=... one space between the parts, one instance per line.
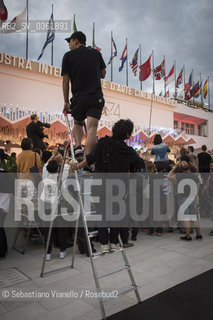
x=191 y=89
x=195 y=89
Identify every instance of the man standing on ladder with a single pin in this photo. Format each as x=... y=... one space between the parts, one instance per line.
x=83 y=67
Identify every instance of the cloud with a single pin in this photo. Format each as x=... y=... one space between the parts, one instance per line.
x=182 y=30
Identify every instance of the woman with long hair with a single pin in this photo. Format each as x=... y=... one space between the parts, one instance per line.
x=160 y=150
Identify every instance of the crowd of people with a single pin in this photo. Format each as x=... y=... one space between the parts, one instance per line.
x=82 y=69
x=113 y=155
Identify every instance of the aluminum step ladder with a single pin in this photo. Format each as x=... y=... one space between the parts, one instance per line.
x=88 y=236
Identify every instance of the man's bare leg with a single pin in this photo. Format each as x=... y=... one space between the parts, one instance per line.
x=78 y=132
x=186 y=225
x=92 y=125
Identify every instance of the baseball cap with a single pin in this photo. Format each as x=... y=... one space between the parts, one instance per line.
x=80 y=36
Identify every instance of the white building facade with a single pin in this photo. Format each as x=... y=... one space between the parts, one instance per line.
x=28 y=86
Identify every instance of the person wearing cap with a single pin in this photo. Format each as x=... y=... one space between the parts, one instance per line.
x=83 y=67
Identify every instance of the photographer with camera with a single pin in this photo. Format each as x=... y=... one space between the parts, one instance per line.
x=35 y=132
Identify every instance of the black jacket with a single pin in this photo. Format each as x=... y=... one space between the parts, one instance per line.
x=35 y=132
x=110 y=155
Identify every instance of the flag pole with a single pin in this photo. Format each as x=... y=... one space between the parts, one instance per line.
x=140 y=65
x=126 y=64
x=74 y=29
x=193 y=84
x=52 y=43
x=208 y=88
x=150 y=114
x=73 y=23
x=164 y=58
x=93 y=35
x=27 y=31
x=184 y=82
x=175 y=76
x=153 y=86
x=201 y=92
x=112 y=59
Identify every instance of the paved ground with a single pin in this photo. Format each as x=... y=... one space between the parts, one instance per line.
x=158 y=263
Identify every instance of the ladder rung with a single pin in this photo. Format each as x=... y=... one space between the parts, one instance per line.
x=100 y=254
x=89 y=213
x=108 y=273
x=92 y=234
x=122 y=291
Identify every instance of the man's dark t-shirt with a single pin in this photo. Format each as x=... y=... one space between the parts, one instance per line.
x=110 y=155
x=83 y=65
x=204 y=161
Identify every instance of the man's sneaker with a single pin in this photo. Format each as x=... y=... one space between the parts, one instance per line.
x=78 y=152
x=185 y=238
x=62 y=254
x=114 y=247
x=199 y=237
x=128 y=244
x=48 y=256
x=104 y=248
x=211 y=233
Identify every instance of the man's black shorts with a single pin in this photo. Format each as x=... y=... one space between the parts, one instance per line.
x=87 y=106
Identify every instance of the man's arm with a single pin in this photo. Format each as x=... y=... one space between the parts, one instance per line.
x=135 y=160
x=66 y=88
x=82 y=164
x=103 y=73
x=39 y=131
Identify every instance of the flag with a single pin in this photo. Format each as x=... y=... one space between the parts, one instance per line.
x=114 y=51
x=145 y=70
x=205 y=89
x=197 y=94
x=159 y=71
x=50 y=35
x=195 y=88
x=167 y=94
x=123 y=58
x=134 y=63
x=188 y=87
x=179 y=78
x=97 y=48
x=93 y=39
x=74 y=25
x=3 y=12
x=171 y=75
x=16 y=23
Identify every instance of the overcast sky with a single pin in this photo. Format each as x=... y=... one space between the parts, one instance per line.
x=182 y=30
